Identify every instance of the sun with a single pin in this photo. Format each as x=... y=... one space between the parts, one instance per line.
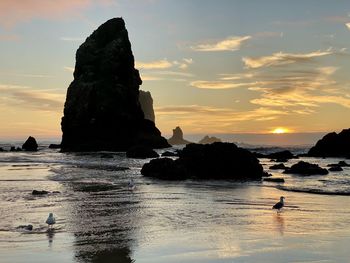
x=280 y=131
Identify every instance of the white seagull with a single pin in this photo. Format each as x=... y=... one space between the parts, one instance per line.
x=278 y=206
x=50 y=220
x=131 y=185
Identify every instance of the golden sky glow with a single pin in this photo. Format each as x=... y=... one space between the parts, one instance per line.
x=213 y=68
x=280 y=131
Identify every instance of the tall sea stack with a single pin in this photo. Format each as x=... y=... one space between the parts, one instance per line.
x=102 y=109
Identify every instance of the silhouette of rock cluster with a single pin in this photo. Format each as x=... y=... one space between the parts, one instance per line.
x=102 y=109
x=178 y=137
x=208 y=161
x=207 y=140
x=332 y=145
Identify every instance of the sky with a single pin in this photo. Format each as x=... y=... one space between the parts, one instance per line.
x=212 y=67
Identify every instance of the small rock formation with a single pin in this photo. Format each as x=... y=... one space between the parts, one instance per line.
x=336 y=168
x=332 y=145
x=305 y=168
x=25 y=227
x=165 y=169
x=102 y=109
x=30 y=144
x=2 y=149
x=208 y=161
x=146 y=101
x=274 y=179
x=141 y=152
x=282 y=155
x=278 y=166
x=169 y=154
x=340 y=163
x=54 y=146
x=178 y=137
x=40 y=192
x=208 y=140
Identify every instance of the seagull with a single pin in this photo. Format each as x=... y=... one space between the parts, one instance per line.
x=131 y=185
x=50 y=220
x=280 y=204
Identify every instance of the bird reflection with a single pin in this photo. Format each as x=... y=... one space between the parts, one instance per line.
x=50 y=233
x=279 y=222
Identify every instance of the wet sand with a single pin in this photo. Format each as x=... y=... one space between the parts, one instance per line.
x=100 y=220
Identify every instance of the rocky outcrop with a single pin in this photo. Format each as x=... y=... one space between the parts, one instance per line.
x=146 y=102
x=209 y=161
x=30 y=144
x=141 y=152
x=170 y=154
x=279 y=166
x=102 y=109
x=282 y=155
x=207 y=140
x=178 y=137
x=332 y=145
x=274 y=180
x=165 y=169
x=305 y=168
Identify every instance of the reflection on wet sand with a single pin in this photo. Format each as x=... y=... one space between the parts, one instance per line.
x=102 y=221
x=50 y=233
x=278 y=219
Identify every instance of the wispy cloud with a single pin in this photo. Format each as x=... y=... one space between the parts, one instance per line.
x=232 y=43
x=347 y=25
x=158 y=64
x=26 y=75
x=199 y=118
x=69 y=69
x=164 y=64
x=27 y=97
x=282 y=58
x=203 y=84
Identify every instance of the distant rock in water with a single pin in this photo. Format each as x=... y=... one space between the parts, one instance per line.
x=178 y=137
x=30 y=144
x=141 y=152
x=146 y=102
x=102 y=109
x=54 y=146
x=305 y=168
x=209 y=161
x=207 y=140
x=332 y=145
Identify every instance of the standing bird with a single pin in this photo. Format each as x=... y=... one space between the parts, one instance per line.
x=131 y=185
x=280 y=204
x=50 y=220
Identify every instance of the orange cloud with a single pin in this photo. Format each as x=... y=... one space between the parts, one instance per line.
x=232 y=43
x=13 y=12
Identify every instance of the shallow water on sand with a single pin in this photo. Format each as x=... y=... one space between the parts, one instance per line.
x=100 y=220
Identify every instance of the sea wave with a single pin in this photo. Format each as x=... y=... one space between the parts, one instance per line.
x=314 y=190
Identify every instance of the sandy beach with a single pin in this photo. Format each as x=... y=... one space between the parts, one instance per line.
x=100 y=220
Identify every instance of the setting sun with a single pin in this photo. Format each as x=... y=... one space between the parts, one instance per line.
x=280 y=130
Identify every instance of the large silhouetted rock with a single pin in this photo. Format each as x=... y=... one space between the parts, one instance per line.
x=146 y=102
x=178 y=137
x=102 y=109
x=208 y=161
x=332 y=145
x=30 y=144
x=207 y=140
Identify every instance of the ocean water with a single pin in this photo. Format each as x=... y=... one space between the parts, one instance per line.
x=100 y=220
